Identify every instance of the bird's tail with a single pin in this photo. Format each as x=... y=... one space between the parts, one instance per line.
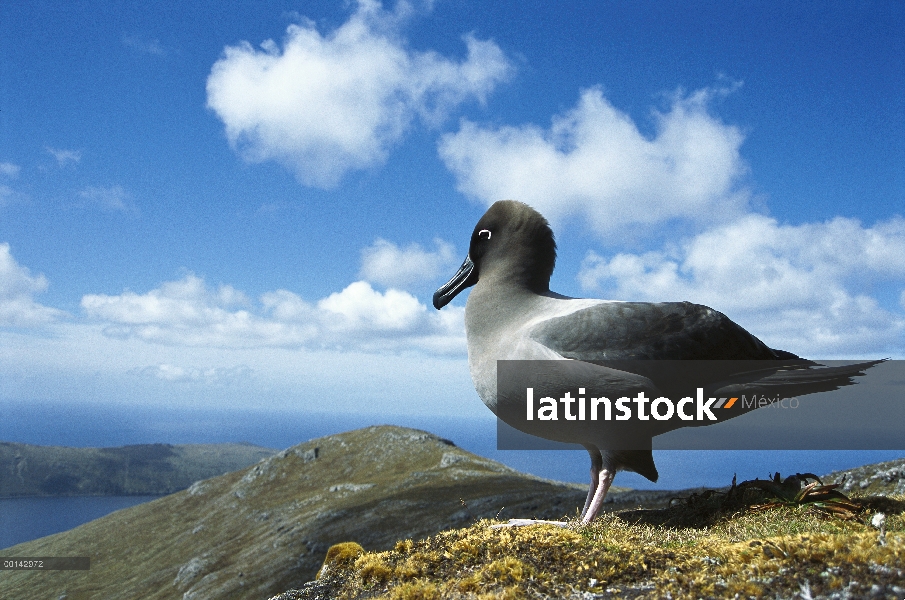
x=794 y=380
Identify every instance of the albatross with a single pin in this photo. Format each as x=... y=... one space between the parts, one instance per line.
x=511 y=315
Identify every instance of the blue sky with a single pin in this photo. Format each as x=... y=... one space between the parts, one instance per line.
x=231 y=202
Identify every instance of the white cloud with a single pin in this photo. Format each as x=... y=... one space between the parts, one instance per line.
x=206 y=375
x=389 y=265
x=327 y=104
x=594 y=162
x=359 y=318
x=360 y=307
x=9 y=170
x=803 y=288
x=183 y=312
x=65 y=157
x=17 y=290
x=109 y=198
x=362 y=318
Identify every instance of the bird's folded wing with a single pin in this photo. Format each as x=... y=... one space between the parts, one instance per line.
x=640 y=330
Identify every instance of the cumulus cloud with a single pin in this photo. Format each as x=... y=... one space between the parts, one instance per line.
x=182 y=312
x=189 y=313
x=64 y=157
x=323 y=105
x=108 y=198
x=804 y=288
x=17 y=290
x=594 y=162
x=362 y=318
x=387 y=264
x=360 y=307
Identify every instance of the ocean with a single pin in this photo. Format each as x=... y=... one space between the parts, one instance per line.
x=93 y=425
x=24 y=519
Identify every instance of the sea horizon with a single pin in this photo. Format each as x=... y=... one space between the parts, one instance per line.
x=88 y=424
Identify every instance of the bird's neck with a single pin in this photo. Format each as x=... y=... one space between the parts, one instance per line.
x=494 y=304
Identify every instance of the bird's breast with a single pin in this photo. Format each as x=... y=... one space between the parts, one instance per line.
x=498 y=330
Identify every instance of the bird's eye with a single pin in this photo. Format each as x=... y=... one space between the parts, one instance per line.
x=484 y=234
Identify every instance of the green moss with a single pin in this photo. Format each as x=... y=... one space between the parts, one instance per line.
x=680 y=551
x=416 y=590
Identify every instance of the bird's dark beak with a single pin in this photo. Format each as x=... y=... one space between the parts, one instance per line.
x=465 y=277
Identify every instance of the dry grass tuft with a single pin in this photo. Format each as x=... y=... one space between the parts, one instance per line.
x=340 y=556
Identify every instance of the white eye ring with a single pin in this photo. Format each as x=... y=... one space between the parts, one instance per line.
x=483 y=231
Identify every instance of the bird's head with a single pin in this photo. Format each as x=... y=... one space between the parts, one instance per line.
x=511 y=243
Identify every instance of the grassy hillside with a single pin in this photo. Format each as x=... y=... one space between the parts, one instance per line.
x=146 y=469
x=266 y=528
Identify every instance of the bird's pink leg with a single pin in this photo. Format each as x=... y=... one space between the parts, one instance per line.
x=596 y=464
x=605 y=479
x=600 y=483
x=595 y=474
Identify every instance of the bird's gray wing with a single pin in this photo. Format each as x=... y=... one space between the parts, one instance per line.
x=655 y=340
x=640 y=330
